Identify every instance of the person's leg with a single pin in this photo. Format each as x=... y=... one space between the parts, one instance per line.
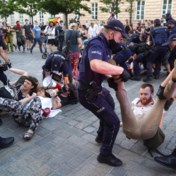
x=35 y=41
x=105 y=112
x=130 y=123
x=40 y=45
x=11 y=43
x=11 y=106
x=32 y=116
x=3 y=77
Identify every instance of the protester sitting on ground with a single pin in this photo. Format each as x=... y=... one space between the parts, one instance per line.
x=143 y=124
x=50 y=101
x=23 y=86
x=29 y=111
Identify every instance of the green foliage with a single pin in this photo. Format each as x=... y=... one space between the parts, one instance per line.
x=112 y=6
x=7 y=8
x=63 y=6
x=29 y=7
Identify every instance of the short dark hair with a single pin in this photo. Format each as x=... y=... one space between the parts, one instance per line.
x=143 y=86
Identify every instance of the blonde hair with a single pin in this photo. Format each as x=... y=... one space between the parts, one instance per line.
x=72 y=25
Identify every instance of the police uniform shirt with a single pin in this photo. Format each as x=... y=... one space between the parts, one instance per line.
x=57 y=62
x=96 y=48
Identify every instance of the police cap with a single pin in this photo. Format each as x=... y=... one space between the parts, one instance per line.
x=117 y=26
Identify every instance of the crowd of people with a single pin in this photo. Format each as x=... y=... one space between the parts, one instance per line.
x=78 y=61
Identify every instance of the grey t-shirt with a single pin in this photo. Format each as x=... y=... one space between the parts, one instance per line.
x=72 y=36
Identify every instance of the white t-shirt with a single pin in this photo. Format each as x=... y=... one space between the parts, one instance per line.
x=47 y=103
x=140 y=110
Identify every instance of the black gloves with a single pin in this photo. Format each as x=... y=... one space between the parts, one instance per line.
x=4 y=67
x=125 y=76
x=112 y=84
x=160 y=93
x=168 y=104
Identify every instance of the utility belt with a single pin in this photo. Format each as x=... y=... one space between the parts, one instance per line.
x=91 y=90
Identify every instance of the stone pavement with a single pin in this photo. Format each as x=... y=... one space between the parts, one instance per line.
x=65 y=145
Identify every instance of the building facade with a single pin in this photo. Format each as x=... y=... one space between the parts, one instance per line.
x=142 y=10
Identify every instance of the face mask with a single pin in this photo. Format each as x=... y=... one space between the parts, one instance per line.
x=113 y=45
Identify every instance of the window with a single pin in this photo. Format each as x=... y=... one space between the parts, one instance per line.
x=94 y=10
x=21 y=19
x=41 y=18
x=12 y=20
x=167 y=6
x=140 y=9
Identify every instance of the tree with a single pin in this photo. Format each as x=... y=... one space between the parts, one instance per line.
x=112 y=6
x=29 y=7
x=7 y=8
x=63 y=6
x=130 y=9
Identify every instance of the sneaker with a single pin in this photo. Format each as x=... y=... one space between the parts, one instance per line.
x=30 y=51
x=28 y=135
x=136 y=78
x=148 y=79
x=109 y=159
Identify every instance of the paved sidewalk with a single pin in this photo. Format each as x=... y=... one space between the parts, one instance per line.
x=65 y=145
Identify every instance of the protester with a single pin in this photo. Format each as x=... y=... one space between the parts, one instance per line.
x=28 y=34
x=37 y=37
x=19 y=36
x=141 y=120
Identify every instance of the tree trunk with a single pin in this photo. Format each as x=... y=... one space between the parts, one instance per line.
x=66 y=20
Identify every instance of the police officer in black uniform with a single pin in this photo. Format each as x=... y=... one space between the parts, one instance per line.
x=159 y=35
x=57 y=63
x=93 y=69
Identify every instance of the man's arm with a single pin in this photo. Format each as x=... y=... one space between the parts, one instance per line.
x=18 y=71
x=103 y=67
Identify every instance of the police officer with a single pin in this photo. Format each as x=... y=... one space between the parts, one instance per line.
x=93 y=68
x=172 y=27
x=58 y=67
x=159 y=35
x=57 y=62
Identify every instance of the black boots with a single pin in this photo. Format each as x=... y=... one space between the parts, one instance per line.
x=168 y=161
x=99 y=139
x=0 y=122
x=109 y=159
x=6 y=142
